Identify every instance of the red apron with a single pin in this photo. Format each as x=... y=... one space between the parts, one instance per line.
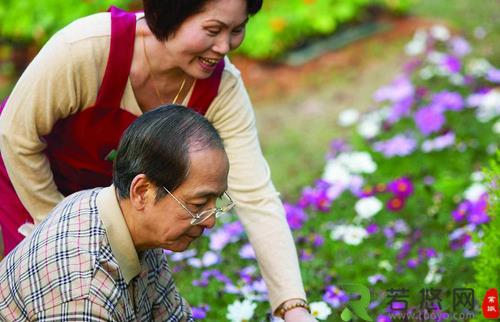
x=78 y=146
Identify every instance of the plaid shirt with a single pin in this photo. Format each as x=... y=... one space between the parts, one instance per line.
x=80 y=265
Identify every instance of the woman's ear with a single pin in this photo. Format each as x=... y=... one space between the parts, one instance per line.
x=140 y=192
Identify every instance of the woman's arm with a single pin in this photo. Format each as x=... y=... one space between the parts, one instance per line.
x=48 y=90
x=258 y=204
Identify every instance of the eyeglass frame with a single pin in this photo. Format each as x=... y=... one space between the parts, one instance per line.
x=217 y=211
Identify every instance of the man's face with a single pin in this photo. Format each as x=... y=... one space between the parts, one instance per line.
x=168 y=222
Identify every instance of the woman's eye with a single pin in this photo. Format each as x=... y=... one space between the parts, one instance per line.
x=213 y=32
x=238 y=31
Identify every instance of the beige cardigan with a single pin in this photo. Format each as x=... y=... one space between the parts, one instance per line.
x=64 y=78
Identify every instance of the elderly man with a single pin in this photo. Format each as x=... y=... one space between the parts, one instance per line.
x=99 y=254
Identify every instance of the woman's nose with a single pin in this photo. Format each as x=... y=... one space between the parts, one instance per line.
x=222 y=46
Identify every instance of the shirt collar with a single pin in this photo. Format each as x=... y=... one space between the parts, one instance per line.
x=118 y=233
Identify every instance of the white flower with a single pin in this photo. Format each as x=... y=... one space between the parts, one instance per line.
x=338 y=232
x=457 y=79
x=335 y=172
x=350 y=234
x=210 y=258
x=496 y=127
x=474 y=191
x=320 y=310
x=368 y=207
x=440 y=32
x=241 y=311
x=436 y=57
x=491 y=148
x=433 y=277
x=417 y=45
x=427 y=72
x=354 y=235
x=182 y=255
x=489 y=107
x=385 y=264
x=478 y=67
x=477 y=176
x=348 y=117
x=358 y=162
x=369 y=128
x=471 y=249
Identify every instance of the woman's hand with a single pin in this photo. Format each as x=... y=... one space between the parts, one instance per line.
x=299 y=314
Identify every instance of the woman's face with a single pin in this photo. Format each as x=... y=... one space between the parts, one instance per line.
x=203 y=39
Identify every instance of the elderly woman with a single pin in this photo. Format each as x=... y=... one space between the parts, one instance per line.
x=62 y=122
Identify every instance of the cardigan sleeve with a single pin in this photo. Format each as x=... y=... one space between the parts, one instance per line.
x=257 y=202
x=49 y=89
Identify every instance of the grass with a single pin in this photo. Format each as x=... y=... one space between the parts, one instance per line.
x=295 y=131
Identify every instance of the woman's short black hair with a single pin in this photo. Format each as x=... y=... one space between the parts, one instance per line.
x=158 y=144
x=164 y=17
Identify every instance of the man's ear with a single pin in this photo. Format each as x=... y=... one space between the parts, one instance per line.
x=141 y=190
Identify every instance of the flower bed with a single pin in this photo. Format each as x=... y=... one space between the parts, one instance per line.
x=400 y=209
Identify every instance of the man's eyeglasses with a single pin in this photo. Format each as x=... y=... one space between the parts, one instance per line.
x=224 y=204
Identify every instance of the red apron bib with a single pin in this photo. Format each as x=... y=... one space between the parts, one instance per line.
x=78 y=146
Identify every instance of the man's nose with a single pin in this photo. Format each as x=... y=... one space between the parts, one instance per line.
x=209 y=223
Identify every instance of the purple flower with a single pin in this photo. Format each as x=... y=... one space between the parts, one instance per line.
x=383 y=318
x=200 y=312
x=410 y=66
x=459 y=46
x=401 y=227
x=317 y=240
x=372 y=229
x=461 y=211
x=337 y=146
x=399 y=89
x=428 y=120
x=401 y=187
x=295 y=216
x=439 y=142
x=400 y=145
x=374 y=279
x=448 y=101
x=412 y=263
x=234 y=228
x=400 y=109
x=429 y=180
x=247 y=252
x=404 y=250
x=305 y=255
x=451 y=64
x=477 y=211
x=389 y=233
x=430 y=252
x=460 y=241
x=395 y=204
x=335 y=296
x=319 y=197
x=219 y=239
x=493 y=75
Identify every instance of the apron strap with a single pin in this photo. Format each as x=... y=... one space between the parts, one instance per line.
x=205 y=90
x=119 y=59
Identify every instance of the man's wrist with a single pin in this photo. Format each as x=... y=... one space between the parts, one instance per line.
x=292 y=304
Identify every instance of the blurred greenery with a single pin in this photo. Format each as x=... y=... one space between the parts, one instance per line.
x=285 y=24
x=31 y=20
